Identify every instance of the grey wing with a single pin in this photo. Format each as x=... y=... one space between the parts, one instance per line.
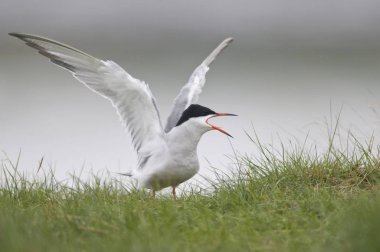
x=189 y=93
x=131 y=97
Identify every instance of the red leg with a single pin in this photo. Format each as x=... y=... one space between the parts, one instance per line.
x=173 y=192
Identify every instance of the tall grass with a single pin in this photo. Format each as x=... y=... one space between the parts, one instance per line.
x=282 y=200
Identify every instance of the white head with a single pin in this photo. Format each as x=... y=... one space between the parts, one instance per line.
x=198 y=116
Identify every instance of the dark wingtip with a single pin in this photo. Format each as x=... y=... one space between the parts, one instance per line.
x=18 y=35
x=14 y=34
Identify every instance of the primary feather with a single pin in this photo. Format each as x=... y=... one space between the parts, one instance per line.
x=131 y=97
x=189 y=93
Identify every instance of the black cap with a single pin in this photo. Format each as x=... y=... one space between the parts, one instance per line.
x=194 y=110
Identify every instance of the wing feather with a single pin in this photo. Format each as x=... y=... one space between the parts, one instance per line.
x=131 y=97
x=190 y=92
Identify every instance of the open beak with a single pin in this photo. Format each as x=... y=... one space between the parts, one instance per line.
x=216 y=127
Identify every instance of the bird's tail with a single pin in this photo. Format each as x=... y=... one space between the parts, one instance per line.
x=128 y=174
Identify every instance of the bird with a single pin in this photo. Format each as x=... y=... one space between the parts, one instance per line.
x=167 y=156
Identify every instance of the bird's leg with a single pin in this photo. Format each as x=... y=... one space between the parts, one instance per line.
x=173 y=192
x=153 y=194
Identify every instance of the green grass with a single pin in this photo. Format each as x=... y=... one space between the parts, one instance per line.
x=294 y=200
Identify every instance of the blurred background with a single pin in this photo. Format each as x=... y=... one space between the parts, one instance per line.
x=294 y=66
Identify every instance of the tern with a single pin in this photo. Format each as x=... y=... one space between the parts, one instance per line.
x=167 y=156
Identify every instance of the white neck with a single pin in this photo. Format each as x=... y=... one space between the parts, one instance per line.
x=185 y=137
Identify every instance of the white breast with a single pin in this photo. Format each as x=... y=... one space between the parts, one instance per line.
x=174 y=163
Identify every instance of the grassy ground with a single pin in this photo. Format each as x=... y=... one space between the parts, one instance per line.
x=281 y=201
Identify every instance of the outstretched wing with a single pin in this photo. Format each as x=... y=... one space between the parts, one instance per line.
x=131 y=97
x=189 y=93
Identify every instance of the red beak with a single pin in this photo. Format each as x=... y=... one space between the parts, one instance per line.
x=216 y=127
